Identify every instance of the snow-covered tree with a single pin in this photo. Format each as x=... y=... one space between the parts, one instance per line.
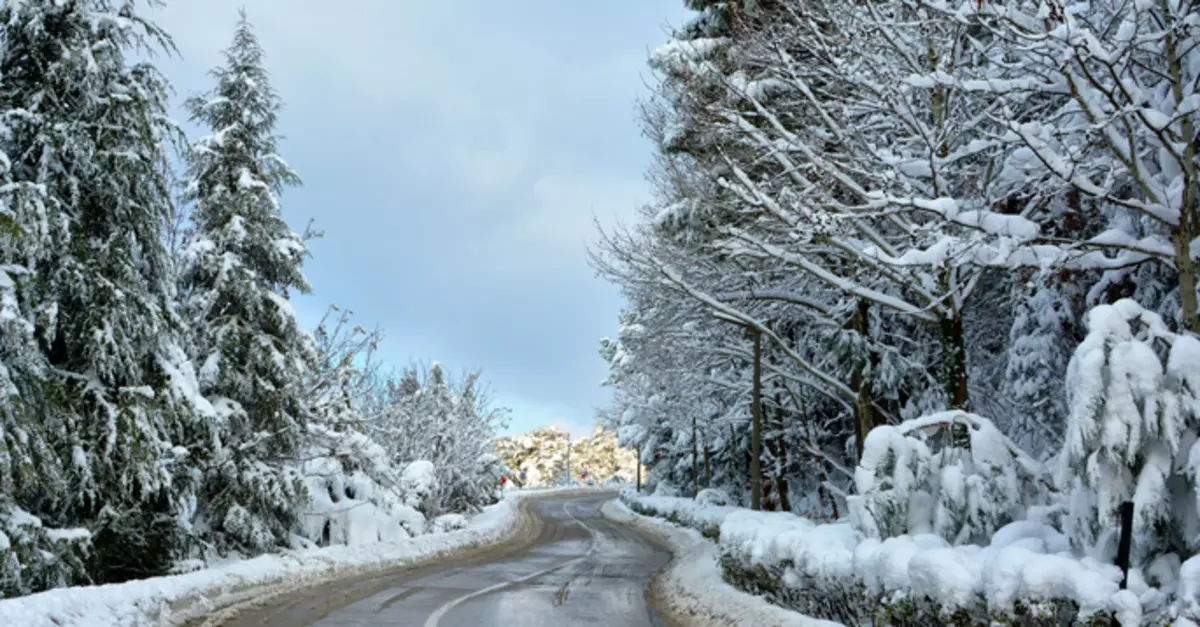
x=450 y=424
x=1039 y=349
x=950 y=473
x=89 y=131
x=1131 y=435
x=242 y=261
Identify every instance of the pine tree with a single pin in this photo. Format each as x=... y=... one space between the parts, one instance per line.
x=90 y=131
x=1039 y=350
x=241 y=262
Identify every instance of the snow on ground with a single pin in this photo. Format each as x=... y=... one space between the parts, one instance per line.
x=691 y=589
x=174 y=599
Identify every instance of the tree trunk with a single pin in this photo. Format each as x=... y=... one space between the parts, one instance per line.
x=756 y=419
x=1184 y=233
x=954 y=361
x=785 y=504
x=864 y=410
x=779 y=451
x=707 y=467
x=695 y=460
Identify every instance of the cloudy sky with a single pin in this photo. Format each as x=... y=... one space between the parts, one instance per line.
x=455 y=153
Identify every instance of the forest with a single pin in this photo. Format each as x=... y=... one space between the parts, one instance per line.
x=926 y=266
x=161 y=407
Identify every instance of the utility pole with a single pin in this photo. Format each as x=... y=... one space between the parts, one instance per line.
x=568 y=458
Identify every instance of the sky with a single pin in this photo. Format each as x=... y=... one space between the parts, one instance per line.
x=454 y=154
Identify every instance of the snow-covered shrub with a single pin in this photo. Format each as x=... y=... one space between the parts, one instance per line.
x=474 y=486
x=34 y=557
x=705 y=518
x=712 y=496
x=449 y=522
x=449 y=424
x=349 y=507
x=951 y=473
x=665 y=488
x=1131 y=435
x=417 y=483
x=1022 y=576
x=1022 y=573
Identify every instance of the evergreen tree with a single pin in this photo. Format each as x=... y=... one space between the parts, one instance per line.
x=89 y=132
x=241 y=262
x=1039 y=350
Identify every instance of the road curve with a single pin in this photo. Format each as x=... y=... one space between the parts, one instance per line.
x=580 y=570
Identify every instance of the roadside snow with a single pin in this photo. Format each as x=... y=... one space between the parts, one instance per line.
x=691 y=589
x=175 y=599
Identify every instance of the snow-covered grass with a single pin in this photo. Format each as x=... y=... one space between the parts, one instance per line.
x=831 y=571
x=177 y=598
x=691 y=591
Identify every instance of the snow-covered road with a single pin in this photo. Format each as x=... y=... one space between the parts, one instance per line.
x=580 y=570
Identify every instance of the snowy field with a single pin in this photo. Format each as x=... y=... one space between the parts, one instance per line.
x=175 y=599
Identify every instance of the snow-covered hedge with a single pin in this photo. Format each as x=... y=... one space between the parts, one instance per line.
x=699 y=516
x=1024 y=576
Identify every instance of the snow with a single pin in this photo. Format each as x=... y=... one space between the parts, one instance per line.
x=449 y=522
x=68 y=535
x=417 y=482
x=349 y=509
x=686 y=511
x=1025 y=560
x=178 y=598
x=691 y=589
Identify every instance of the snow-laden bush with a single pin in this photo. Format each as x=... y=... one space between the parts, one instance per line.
x=1023 y=574
x=712 y=496
x=417 y=484
x=952 y=473
x=705 y=518
x=665 y=488
x=449 y=522
x=351 y=508
x=35 y=557
x=1131 y=435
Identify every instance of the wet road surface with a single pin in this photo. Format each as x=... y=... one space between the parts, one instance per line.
x=581 y=570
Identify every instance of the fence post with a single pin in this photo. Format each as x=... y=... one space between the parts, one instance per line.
x=1125 y=544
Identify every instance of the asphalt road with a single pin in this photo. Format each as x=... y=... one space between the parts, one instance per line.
x=580 y=570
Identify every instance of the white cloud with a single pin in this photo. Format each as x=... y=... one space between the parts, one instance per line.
x=560 y=222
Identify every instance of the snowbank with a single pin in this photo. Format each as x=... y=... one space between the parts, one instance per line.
x=691 y=591
x=175 y=599
x=830 y=570
x=704 y=518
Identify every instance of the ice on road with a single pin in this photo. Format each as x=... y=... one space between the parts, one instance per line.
x=581 y=570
